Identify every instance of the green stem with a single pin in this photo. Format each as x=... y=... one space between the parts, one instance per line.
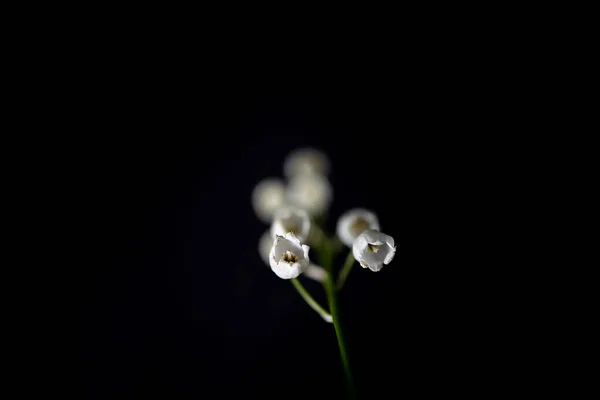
x=310 y=301
x=345 y=270
x=332 y=298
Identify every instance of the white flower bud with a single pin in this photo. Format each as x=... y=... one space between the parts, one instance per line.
x=305 y=161
x=267 y=197
x=353 y=222
x=372 y=249
x=291 y=219
x=315 y=272
x=288 y=258
x=312 y=193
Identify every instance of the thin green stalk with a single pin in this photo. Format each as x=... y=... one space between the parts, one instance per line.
x=345 y=270
x=310 y=301
x=332 y=298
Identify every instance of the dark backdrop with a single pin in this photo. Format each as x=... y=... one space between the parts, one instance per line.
x=176 y=302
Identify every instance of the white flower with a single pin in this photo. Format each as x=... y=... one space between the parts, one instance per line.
x=352 y=223
x=373 y=249
x=267 y=197
x=305 y=161
x=264 y=245
x=311 y=192
x=291 y=219
x=288 y=258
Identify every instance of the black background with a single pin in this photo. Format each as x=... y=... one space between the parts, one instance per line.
x=176 y=303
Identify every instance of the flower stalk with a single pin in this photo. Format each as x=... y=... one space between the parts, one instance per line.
x=345 y=270
x=327 y=262
x=311 y=301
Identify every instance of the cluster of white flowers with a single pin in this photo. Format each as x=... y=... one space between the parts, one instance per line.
x=294 y=209
x=290 y=208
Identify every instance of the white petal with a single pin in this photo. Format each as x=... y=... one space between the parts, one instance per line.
x=288 y=219
x=376 y=266
x=277 y=228
x=390 y=255
x=358 y=246
x=292 y=238
x=273 y=258
x=376 y=237
x=286 y=270
x=305 y=250
x=357 y=249
x=283 y=245
x=390 y=241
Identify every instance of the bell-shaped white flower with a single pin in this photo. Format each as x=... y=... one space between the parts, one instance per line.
x=267 y=197
x=291 y=219
x=353 y=222
x=305 y=161
x=373 y=249
x=311 y=192
x=288 y=257
x=265 y=243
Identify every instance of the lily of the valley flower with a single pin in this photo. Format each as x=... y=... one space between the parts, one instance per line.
x=373 y=249
x=353 y=222
x=310 y=192
x=265 y=243
x=267 y=197
x=291 y=219
x=288 y=257
x=305 y=161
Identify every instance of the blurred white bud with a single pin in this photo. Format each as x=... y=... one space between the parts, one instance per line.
x=291 y=219
x=288 y=258
x=267 y=197
x=372 y=249
x=353 y=222
x=312 y=193
x=305 y=161
x=264 y=245
x=315 y=272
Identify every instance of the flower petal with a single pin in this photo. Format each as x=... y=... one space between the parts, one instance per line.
x=376 y=266
x=291 y=219
x=286 y=271
x=390 y=255
x=305 y=250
